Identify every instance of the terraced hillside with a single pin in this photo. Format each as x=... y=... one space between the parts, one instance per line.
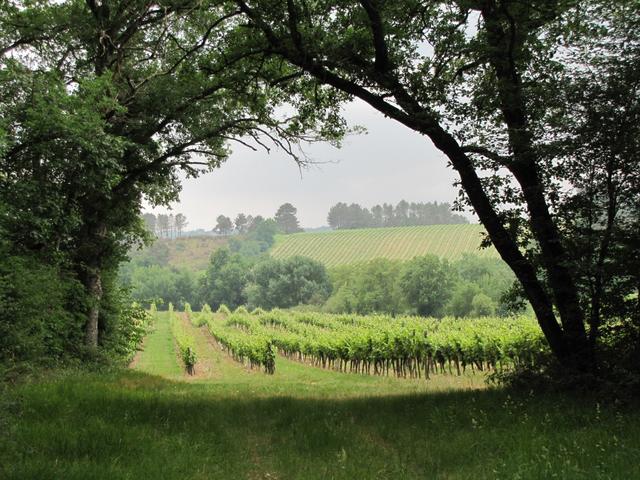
x=403 y=243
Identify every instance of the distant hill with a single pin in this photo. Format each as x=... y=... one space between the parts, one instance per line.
x=188 y=252
x=342 y=247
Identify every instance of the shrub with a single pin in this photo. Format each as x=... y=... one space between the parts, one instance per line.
x=41 y=311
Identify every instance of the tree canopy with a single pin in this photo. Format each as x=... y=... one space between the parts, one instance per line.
x=104 y=103
x=286 y=218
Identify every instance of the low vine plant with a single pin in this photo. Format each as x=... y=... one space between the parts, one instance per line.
x=185 y=344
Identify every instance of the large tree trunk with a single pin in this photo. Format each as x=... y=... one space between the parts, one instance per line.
x=93 y=286
x=90 y=260
x=505 y=44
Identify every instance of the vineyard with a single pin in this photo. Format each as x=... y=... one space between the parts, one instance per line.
x=399 y=243
x=408 y=347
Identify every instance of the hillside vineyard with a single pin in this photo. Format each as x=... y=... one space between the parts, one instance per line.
x=399 y=243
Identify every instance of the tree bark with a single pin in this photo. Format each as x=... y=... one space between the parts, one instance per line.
x=93 y=286
x=89 y=260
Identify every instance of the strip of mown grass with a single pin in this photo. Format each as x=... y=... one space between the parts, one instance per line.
x=159 y=356
x=307 y=423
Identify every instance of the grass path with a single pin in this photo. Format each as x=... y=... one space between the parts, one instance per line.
x=159 y=356
x=213 y=364
x=302 y=423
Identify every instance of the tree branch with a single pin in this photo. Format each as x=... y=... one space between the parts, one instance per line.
x=382 y=63
x=485 y=152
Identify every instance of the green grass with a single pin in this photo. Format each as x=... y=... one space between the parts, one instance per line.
x=159 y=355
x=399 y=243
x=303 y=423
x=192 y=253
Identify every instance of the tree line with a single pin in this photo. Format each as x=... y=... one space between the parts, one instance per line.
x=343 y=216
x=241 y=276
x=285 y=219
x=165 y=226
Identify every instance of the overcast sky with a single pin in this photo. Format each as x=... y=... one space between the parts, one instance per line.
x=387 y=164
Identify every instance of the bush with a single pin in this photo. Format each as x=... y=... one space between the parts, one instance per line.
x=287 y=283
x=124 y=322
x=202 y=317
x=185 y=343
x=482 y=306
x=426 y=283
x=241 y=311
x=40 y=305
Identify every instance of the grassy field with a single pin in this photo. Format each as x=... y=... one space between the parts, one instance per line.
x=402 y=243
x=189 y=252
x=228 y=422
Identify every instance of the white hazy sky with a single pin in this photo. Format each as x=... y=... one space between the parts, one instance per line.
x=387 y=164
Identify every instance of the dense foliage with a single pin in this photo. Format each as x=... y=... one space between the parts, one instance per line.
x=287 y=283
x=37 y=305
x=226 y=279
x=469 y=287
x=105 y=104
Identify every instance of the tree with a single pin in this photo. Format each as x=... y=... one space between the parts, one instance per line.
x=224 y=225
x=482 y=92
x=387 y=215
x=482 y=306
x=163 y=225
x=286 y=219
x=376 y=212
x=241 y=222
x=368 y=287
x=287 y=283
x=342 y=215
x=461 y=301
x=168 y=284
x=255 y=222
x=263 y=232
x=336 y=218
x=401 y=213
x=104 y=104
x=180 y=222
x=426 y=283
x=172 y=226
x=150 y=222
x=225 y=280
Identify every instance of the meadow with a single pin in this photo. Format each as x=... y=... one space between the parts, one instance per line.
x=229 y=421
x=342 y=247
x=191 y=253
